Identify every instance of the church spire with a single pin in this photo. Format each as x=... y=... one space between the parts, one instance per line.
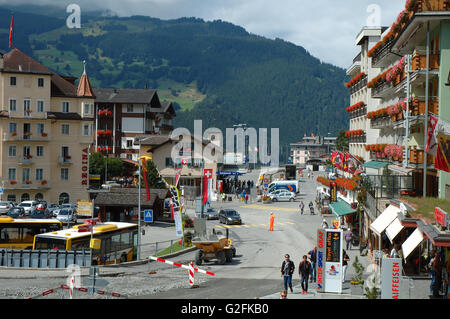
x=84 y=87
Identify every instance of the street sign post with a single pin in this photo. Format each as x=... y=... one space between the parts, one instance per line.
x=148 y=216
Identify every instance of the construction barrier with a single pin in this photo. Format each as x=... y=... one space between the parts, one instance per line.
x=80 y=289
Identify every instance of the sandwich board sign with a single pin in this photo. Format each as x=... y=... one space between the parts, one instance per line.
x=148 y=216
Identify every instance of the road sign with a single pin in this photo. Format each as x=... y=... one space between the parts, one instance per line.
x=148 y=216
x=84 y=208
x=1 y=191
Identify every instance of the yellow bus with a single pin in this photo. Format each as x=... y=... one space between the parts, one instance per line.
x=118 y=241
x=19 y=233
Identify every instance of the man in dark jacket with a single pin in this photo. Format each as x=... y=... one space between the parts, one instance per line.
x=287 y=269
x=304 y=271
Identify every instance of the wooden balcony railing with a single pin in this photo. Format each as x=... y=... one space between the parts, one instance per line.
x=419 y=61
x=418 y=106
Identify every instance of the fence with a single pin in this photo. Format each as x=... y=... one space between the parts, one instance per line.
x=390 y=186
x=44 y=258
x=63 y=259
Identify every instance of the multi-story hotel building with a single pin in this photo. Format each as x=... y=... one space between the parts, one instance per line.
x=413 y=59
x=46 y=127
x=311 y=148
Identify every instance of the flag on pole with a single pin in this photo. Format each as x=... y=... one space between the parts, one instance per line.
x=144 y=170
x=11 y=33
x=205 y=189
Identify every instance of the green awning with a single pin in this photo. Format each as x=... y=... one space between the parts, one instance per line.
x=375 y=164
x=341 y=208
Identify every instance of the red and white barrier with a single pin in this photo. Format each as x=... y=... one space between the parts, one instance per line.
x=81 y=289
x=191 y=274
x=181 y=265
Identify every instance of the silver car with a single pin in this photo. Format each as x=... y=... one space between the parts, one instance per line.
x=282 y=196
x=5 y=206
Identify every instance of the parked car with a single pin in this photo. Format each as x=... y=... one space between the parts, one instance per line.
x=16 y=212
x=229 y=216
x=53 y=209
x=5 y=206
x=69 y=205
x=39 y=214
x=67 y=215
x=109 y=184
x=29 y=206
x=211 y=213
x=282 y=196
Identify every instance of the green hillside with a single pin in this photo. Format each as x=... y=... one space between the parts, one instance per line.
x=214 y=71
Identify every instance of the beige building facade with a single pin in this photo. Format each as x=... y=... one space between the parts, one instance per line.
x=46 y=126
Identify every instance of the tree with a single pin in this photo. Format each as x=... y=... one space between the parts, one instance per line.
x=153 y=178
x=97 y=165
x=342 y=143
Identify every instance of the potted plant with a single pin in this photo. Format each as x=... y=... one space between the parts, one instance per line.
x=356 y=284
x=43 y=134
x=44 y=182
x=28 y=182
x=29 y=156
x=13 y=182
x=14 y=133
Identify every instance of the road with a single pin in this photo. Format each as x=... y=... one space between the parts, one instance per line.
x=255 y=272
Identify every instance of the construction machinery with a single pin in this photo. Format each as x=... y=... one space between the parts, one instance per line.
x=214 y=246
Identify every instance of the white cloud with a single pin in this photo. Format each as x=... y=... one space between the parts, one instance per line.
x=326 y=28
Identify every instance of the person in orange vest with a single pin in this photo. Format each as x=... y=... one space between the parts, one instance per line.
x=272 y=219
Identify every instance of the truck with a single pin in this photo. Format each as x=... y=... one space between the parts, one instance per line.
x=292 y=186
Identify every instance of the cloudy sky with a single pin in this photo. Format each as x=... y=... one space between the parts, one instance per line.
x=326 y=28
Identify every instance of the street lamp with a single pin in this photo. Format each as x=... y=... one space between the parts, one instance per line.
x=139 y=140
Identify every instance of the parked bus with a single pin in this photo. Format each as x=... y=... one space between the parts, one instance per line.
x=118 y=241
x=19 y=233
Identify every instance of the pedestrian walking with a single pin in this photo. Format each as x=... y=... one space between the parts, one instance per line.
x=287 y=269
x=312 y=255
x=272 y=220
x=283 y=294
x=345 y=261
x=311 y=208
x=348 y=238
x=304 y=271
x=301 y=206
x=246 y=198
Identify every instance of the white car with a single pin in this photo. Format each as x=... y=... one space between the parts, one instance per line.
x=66 y=215
x=282 y=196
x=28 y=206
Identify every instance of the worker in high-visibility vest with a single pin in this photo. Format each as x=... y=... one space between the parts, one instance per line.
x=272 y=219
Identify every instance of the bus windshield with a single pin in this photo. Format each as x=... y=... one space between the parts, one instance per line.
x=50 y=243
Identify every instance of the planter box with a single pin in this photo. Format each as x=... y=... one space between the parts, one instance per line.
x=357 y=290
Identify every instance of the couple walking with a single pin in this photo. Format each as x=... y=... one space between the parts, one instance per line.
x=304 y=271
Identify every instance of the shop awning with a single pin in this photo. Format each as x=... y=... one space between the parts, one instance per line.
x=412 y=242
x=393 y=229
x=400 y=169
x=341 y=208
x=375 y=164
x=385 y=219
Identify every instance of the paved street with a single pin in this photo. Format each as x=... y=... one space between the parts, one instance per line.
x=254 y=273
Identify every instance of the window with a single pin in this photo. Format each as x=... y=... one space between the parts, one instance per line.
x=65 y=151
x=27 y=106
x=25 y=174
x=39 y=174
x=130 y=156
x=40 y=82
x=88 y=108
x=38 y=197
x=11 y=174
x=25 y=197
x=26 y=151
x=64 y=174
x=65 y=129
x=12 y=105
x=40 y=128
x=65 y=107
x=12 y=127
x=130 y=108
x=12 y=151
x=40 y=106
x=129 y=143
x=12 y=81
x=87 y=130
x=11 y=198
x=40 y=151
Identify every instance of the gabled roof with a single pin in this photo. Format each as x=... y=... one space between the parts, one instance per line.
x=123 y=96
x=16 y=61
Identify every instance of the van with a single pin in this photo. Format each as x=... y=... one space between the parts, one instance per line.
x=291 y=186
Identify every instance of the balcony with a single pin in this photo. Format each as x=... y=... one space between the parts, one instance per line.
x=417 y=106
x=383 y=90
x=26 y=160
x=29 y=137
x=28 y=185
x=417 y=157
x=419 y=61
x=384 y=57
x=358 y=86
